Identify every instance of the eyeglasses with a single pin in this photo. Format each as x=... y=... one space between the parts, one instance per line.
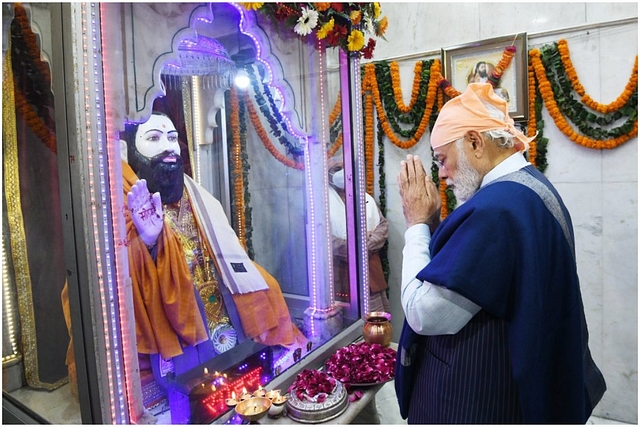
x=439 y=159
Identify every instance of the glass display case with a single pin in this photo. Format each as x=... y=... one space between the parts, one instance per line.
x=170 y=235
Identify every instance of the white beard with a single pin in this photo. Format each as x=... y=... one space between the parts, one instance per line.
x=467 y=180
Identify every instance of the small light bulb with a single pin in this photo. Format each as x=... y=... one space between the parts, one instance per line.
x=242 y=79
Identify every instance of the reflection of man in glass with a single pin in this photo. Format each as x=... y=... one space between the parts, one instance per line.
x=377 y=233
x=196 y=293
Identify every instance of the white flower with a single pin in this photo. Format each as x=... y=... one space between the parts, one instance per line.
x=307 y=22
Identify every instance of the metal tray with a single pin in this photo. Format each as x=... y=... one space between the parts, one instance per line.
x=314 y=413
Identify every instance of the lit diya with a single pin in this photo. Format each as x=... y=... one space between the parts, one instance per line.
x=245 y=394
x=277 y=405
x=260 y=392
x=233 y=401
x=253 y=409
x=272 y=393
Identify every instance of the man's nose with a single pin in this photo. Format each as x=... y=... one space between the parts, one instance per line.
x=168 y=145
x=442 y=173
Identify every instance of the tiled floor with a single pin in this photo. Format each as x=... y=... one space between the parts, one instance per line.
x=59 y=407
x=389 y=413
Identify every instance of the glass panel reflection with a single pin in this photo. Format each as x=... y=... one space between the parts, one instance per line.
x=225 y=277
x=35 y=329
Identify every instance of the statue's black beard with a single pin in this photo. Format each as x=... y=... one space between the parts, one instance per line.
x=165 y=178
x=483 y=73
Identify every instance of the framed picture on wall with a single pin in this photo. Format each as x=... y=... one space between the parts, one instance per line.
x=474 y=62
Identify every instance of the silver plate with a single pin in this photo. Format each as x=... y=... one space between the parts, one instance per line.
x=312 y=412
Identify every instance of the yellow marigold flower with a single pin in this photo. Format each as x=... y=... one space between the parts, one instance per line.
x=321 y=7
x=252 y=5
x=325 y=29
x=381 y=28
x=355 y=41
x=376 y=10
x=356 y=17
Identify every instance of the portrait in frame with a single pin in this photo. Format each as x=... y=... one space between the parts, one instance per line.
x=474 y=62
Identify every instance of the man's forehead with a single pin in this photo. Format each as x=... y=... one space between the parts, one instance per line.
x=441 y=150
x=159 y=122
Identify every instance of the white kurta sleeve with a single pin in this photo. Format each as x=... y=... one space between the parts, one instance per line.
x=429 y=309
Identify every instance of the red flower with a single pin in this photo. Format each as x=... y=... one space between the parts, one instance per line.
x=312 y=385
x=362 y=363
x=367 y=52
x=336 y=35
x=283 y=12
x=338 y=7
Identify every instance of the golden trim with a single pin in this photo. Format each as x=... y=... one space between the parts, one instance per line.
x=16 y=229
x=186 y=111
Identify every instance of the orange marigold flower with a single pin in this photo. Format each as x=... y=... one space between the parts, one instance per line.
x=321 y=7
x=355 y=16
x=381 y=28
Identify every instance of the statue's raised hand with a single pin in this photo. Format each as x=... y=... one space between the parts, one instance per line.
x=146 y=212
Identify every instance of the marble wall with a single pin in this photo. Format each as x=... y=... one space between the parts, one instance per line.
x=600 y=188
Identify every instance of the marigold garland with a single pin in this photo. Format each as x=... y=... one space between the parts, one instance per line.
x=622 y=99
x=34 y=121
x=496 y=75
x=31 y=42
x=369 y=142
x=236 y=158
x=370 y=84
x=337 y=108
x=532 y=123
x=444 y=210
x=264 y=137
x=335 y=147
x=546 y=92
x=397 y=90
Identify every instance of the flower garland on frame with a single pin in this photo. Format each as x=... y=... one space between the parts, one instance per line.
x=388 y=86
x=368 y=142
x=558 y=110
x=370 y=83
x=575 y=110
x=616 y=105
x=415 y=90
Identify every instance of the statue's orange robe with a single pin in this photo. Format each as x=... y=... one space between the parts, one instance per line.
x=165 y=306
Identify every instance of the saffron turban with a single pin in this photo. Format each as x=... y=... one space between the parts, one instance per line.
x=466 y=112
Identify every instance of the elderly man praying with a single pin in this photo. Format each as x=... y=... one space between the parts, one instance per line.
x=494 y=331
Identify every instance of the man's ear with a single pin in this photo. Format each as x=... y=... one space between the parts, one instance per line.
x=124 y=151
x=477 y=142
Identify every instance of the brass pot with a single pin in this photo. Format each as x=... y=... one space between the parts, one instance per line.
x=377 y=328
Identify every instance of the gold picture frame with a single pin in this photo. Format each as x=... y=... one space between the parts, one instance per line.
x=464 y=63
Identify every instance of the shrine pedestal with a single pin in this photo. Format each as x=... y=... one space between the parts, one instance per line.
x=322 y=325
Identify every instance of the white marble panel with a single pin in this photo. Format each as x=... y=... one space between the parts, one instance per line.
x=420 y=26
x=618 y=50
x=620 y=335
x=499 y=19
x=621 y=164
x=568 y=161
x=610 y=11
x=584 y=202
